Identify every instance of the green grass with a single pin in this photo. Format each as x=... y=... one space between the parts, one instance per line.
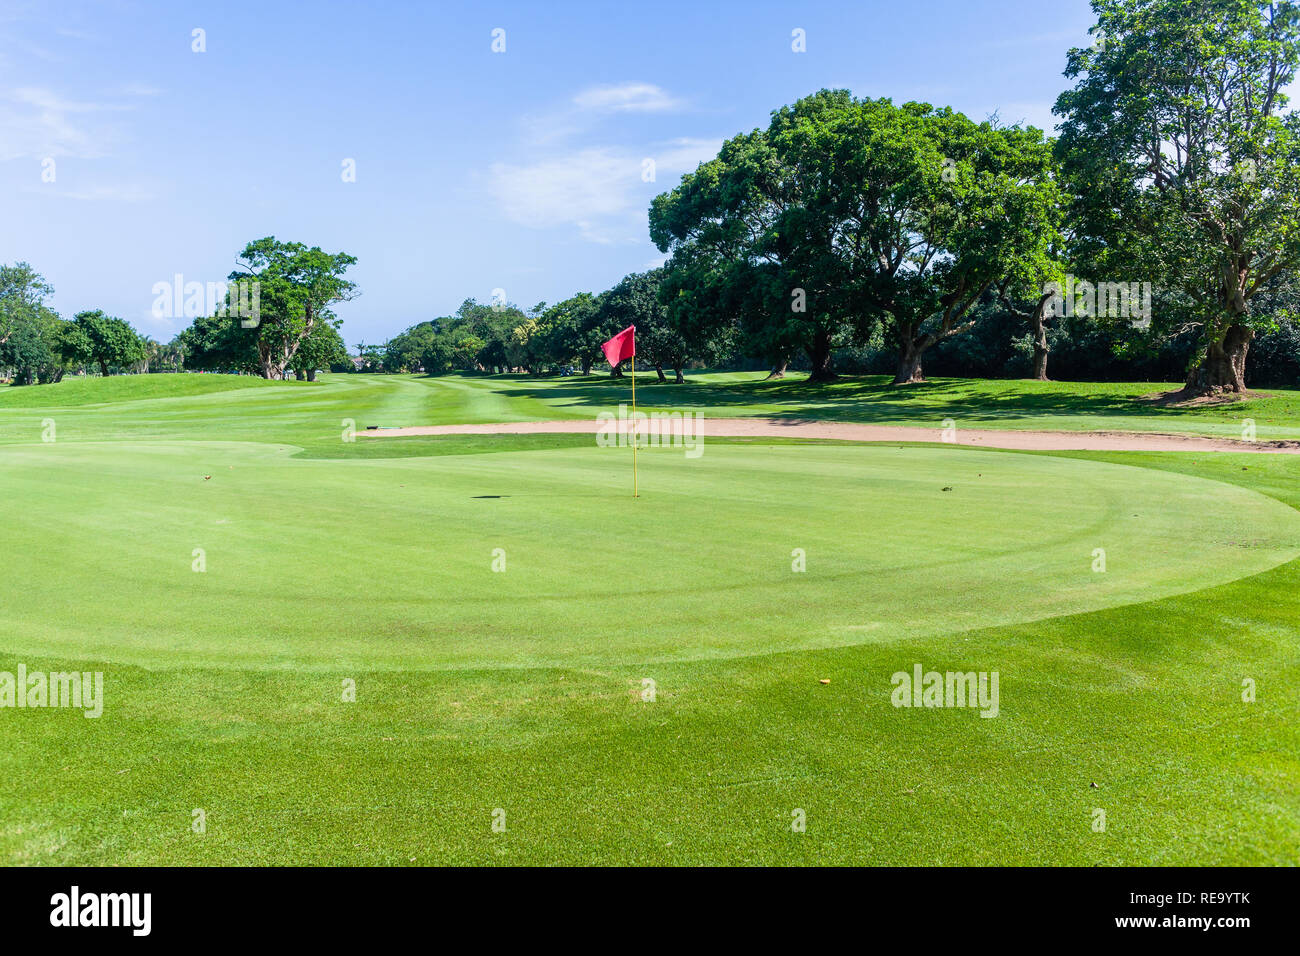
x=199 y=407
x=76 y=391
x=973 y=403
x=371 y=561
x=701 y=565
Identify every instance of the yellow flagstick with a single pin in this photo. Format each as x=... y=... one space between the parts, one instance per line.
x=635 y=490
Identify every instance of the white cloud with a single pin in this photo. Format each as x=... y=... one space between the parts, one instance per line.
x=37 y=122
x=599 y=190
x=592 y=105
x=577 y=189
x=547 y=129
x=48 y=100
x=626 y=97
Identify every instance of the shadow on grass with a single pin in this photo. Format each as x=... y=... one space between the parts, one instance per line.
x=867 y=399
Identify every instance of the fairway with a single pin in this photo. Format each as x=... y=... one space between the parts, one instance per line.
x=231 y=564
x=701 y=565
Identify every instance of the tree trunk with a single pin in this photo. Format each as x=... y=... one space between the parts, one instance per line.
x=103 y=368
x=300 y=375
x=1037 y=319
x=680 y=379
x=311 y=375
x=820 y=356
x=1224 y=367
x=616 y=372
x=586 y=366
x=1040 y=347
x=778 y=370
x=909 y=368
x=662 y=376
x=265 y=364
x=909 y=359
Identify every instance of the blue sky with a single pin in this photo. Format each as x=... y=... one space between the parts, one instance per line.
x=520 y=170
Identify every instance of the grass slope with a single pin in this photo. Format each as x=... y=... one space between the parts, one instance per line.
x=223 y=697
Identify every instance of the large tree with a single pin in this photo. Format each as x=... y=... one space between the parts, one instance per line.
x=743 y=243
x=103 y=340
x=845 y=213
x=295 y=287
x=1185 y=163
x=948 y=210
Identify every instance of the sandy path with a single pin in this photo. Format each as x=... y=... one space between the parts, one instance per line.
x=987 y=438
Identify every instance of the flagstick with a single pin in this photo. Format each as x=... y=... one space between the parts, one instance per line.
x=635 y=490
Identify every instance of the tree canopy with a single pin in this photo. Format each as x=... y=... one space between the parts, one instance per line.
x=847 y=213
x=95 y=338
x=1184 y=164
x=295 y=286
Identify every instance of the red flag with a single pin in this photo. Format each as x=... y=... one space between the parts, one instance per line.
x=620 y=347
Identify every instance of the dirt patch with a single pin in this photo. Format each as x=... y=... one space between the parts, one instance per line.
x=1179 y=398
x=849 y=431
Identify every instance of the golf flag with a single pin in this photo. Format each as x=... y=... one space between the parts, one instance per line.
x=620 y=347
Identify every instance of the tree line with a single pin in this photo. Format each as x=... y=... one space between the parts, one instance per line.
x=274 y=319
x=566 y=336
x=37 y=346
x=1167 y=210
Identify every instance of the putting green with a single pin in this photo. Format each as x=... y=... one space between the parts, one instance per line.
x=388 y=564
